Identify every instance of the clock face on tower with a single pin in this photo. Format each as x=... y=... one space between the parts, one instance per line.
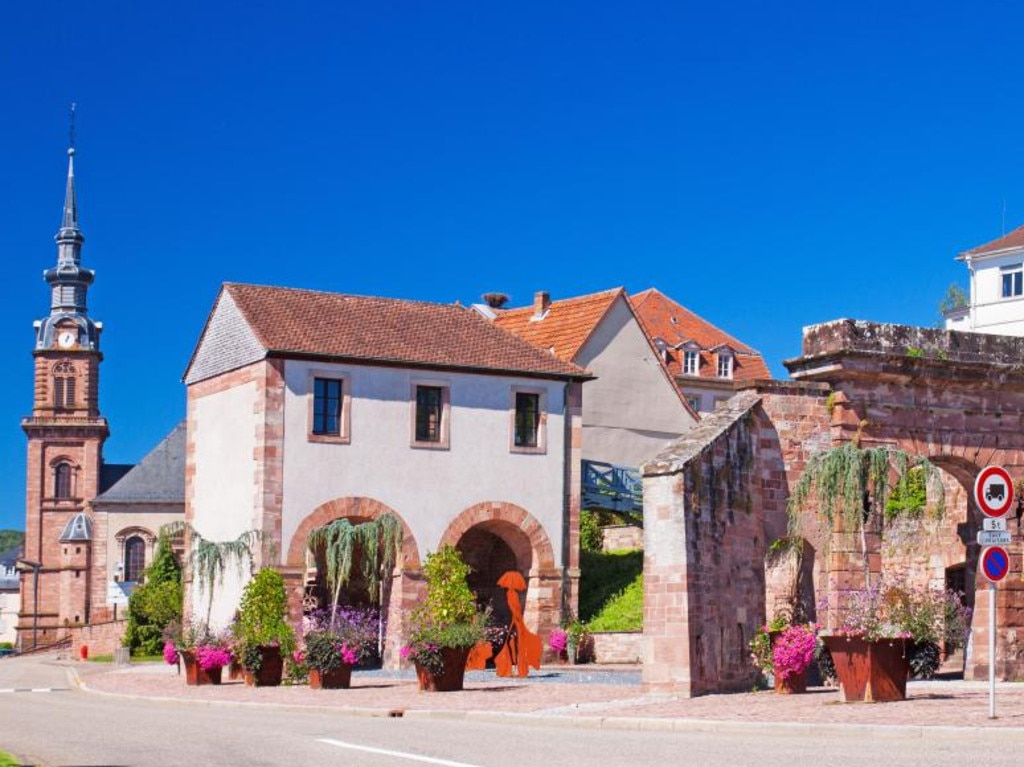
x=66 y=339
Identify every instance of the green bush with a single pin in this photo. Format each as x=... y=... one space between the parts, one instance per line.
x=155 y=603
x=262 y=618
x=591 y=537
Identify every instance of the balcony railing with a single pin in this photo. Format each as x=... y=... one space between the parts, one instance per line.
x=608 y=487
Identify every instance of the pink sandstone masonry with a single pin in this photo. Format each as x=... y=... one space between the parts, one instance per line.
x=716 y=498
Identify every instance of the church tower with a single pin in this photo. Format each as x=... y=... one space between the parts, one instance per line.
x=65 y=442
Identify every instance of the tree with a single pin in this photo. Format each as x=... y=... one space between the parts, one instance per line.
x=156 y=602
x=955 y=298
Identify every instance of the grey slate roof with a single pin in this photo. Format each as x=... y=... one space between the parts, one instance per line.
x=78 y=528
x=9 y=557
x=8 y=581
x=157 y=478
x=111 y=474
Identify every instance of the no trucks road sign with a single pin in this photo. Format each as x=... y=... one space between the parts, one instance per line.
x=995 y=563
x=993 y=491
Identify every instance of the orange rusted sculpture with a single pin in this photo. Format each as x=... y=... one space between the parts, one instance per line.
x=522 y=648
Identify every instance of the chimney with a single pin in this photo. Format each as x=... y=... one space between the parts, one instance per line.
x=541 y=302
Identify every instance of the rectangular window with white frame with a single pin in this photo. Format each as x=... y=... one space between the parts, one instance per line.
x=1013 y=280
x=529 y=420
x=329 y=406
x=431 y=413
x=725 y=366
x=691 y=362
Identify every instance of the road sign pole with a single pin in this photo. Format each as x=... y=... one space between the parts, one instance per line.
x=991 y=651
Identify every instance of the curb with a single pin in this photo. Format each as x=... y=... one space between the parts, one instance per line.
x=622 y=723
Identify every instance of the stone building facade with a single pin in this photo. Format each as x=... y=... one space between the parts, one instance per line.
x=716 y=500
x=305 y=407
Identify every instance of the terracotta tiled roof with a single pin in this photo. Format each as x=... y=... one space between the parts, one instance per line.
x=288 y=321
x=663 y=318
x=566 y=325
x=1014 y=239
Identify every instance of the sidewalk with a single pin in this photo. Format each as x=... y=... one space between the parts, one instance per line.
x=588 y=696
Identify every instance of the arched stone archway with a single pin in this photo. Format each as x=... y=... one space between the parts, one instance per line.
x=954 y=398
x=404 y=592
x=517 y=536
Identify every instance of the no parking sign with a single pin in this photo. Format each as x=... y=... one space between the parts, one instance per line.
x=995 y=563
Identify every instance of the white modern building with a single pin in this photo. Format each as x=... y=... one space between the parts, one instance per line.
x=996 y=271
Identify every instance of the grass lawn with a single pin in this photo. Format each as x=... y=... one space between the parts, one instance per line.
x=6 y=760
x=611 y=590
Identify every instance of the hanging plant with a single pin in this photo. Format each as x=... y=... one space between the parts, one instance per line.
x=208 y=560
x=852 y=485
x=378 y=541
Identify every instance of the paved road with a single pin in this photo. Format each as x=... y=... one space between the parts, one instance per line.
x=69 y=727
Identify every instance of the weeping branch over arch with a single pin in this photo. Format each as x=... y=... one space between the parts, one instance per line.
x=378 y=540
x=851 y=485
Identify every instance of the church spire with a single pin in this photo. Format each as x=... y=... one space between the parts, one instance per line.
x=69 y=237
x=69 y=280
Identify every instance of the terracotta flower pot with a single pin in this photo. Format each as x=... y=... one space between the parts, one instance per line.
x=793 y=684
x=869 y=671
x=195 y=674
x=334 y=679
x=451 y=677
x=270 y=671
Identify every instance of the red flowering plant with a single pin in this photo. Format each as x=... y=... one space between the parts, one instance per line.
x=210 y=649
x=793 y=650
x=558 y=641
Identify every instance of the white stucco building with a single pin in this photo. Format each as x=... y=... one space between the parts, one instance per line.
x=996 y=271
x=633 y=408
x=305 y=407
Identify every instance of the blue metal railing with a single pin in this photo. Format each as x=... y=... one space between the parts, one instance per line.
x=612 y=488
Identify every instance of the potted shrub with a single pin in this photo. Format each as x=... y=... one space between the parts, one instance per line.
x=577 y=634
x=446 y=626
x=335 y=642
x=882 y=629
x=202 y=652
x=262 y=632
x=792 y=654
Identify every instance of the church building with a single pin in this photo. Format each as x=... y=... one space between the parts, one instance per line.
x=90 y=526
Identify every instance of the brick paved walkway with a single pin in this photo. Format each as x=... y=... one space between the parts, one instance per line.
x=929 y=704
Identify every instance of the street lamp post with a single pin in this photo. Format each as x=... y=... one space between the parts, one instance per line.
x=23 y=566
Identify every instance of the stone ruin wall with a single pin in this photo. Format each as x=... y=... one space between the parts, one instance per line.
x=713 y=503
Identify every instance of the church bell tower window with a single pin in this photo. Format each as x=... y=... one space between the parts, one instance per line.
x=62 y=476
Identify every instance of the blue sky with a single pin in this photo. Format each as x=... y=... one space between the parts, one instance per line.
x=768 y=165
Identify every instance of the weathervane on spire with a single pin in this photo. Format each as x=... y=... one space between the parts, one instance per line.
x=71 y=130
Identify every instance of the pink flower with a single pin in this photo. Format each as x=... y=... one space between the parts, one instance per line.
x=212 y=657
x=558 y=640
x=170 y=653
x=405 y=651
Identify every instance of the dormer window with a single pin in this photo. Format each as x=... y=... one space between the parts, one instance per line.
x=1013 y=280
x=724 y=364
x=691 y=362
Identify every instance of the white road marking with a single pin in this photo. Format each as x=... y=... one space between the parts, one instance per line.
x=27 y=689
x=399 y=754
